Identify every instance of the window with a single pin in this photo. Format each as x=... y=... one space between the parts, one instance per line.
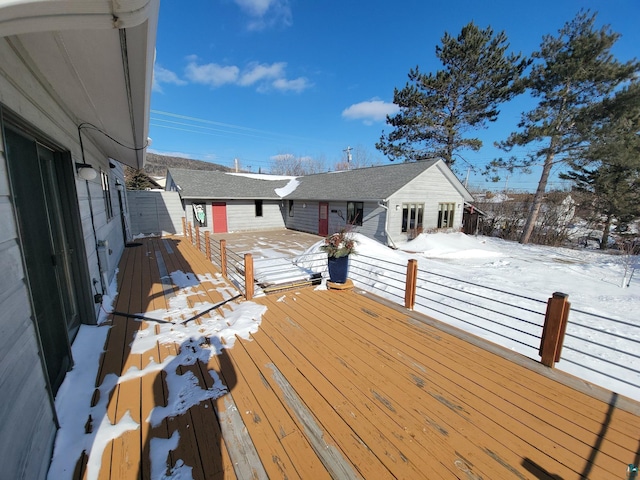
x=445 y=215
x=106 y=193
x=258 y=208
x=355 y=212
x=412 y=214
x=291 y=208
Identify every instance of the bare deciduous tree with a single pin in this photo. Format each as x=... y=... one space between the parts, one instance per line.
x=289 y=164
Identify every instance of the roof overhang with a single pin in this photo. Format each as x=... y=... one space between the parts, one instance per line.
x=95 y=58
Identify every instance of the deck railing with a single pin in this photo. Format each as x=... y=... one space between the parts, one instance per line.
x=546 y=330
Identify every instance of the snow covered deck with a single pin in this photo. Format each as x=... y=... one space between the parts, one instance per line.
x=327 y=384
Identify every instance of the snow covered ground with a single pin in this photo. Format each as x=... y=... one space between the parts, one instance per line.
x=602 y=313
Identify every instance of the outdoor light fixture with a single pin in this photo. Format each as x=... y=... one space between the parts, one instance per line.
x=86 y=171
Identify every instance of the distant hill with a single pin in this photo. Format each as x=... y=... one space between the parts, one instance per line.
x=157 y=165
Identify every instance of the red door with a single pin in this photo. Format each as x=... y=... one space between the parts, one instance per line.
x=323 y=225
x=219 y=215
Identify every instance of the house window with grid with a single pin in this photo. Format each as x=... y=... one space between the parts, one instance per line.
x=291 y=208
x=412 y=214
x=355 y=212
x=446 y=212
x=106 y=193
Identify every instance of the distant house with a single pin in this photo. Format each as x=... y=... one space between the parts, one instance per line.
x=389 y=203
x=75 y=85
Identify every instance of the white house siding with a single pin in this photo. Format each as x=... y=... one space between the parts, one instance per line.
x=373 y=221
x=155 y=212
x=241 y=215
x=108 y=232
x=27 y=425
x=431 y=188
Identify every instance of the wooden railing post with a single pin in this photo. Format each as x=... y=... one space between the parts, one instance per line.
x=411 y=283
x=198 y=237
x=184 y=226
x=555 y=326
x=207 y=246
x=190 y=232
x=248 y=276
x=223 y=258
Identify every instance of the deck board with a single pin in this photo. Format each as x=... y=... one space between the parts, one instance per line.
x=354 y=410
x=456 y=392
x=339 y=384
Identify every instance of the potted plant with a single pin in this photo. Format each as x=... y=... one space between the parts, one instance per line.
x=339 y=246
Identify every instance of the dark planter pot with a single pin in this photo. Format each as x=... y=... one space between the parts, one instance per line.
x=338 y=269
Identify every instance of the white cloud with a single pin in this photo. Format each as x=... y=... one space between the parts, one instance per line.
x=282 y=157
x=266 y=13
x=256 y=72
x=162 y=76
x=370 y=111
x=211 y=73
x=265 y=77
x=296 y=85
x=255 y=8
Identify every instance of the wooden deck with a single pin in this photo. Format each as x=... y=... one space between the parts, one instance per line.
x=337 y=384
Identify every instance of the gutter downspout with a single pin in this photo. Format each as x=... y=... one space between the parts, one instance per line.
x=127 y=81
x=384 y=204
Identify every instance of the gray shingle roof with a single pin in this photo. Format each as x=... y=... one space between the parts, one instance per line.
x=373 y=183
x=222 y=185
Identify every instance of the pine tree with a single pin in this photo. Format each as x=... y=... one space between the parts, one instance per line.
x=437 y=110
x=610 y=166
x=137 y=179
x=574 y=71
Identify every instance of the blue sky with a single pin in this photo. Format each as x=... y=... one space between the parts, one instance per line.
x=254 y=79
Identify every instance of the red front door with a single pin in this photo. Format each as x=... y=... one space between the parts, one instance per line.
x=323 y=225
x=219 y=215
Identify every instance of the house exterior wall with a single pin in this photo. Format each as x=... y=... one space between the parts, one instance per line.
x=155 y=212
x=241 y=214
x=431 y=188
x=27 y=417
x=305 y=216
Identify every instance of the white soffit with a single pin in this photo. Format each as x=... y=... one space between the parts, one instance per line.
x=97 y=61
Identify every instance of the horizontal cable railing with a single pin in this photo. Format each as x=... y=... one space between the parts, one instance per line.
x=594 y=346
x=235 y=269
x=507 y=318
x=593 y=339
x=382 y=277
x=216 y=258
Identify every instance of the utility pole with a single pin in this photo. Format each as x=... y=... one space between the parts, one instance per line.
x=348 y=150
x=466 y=180
x=236 y=163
